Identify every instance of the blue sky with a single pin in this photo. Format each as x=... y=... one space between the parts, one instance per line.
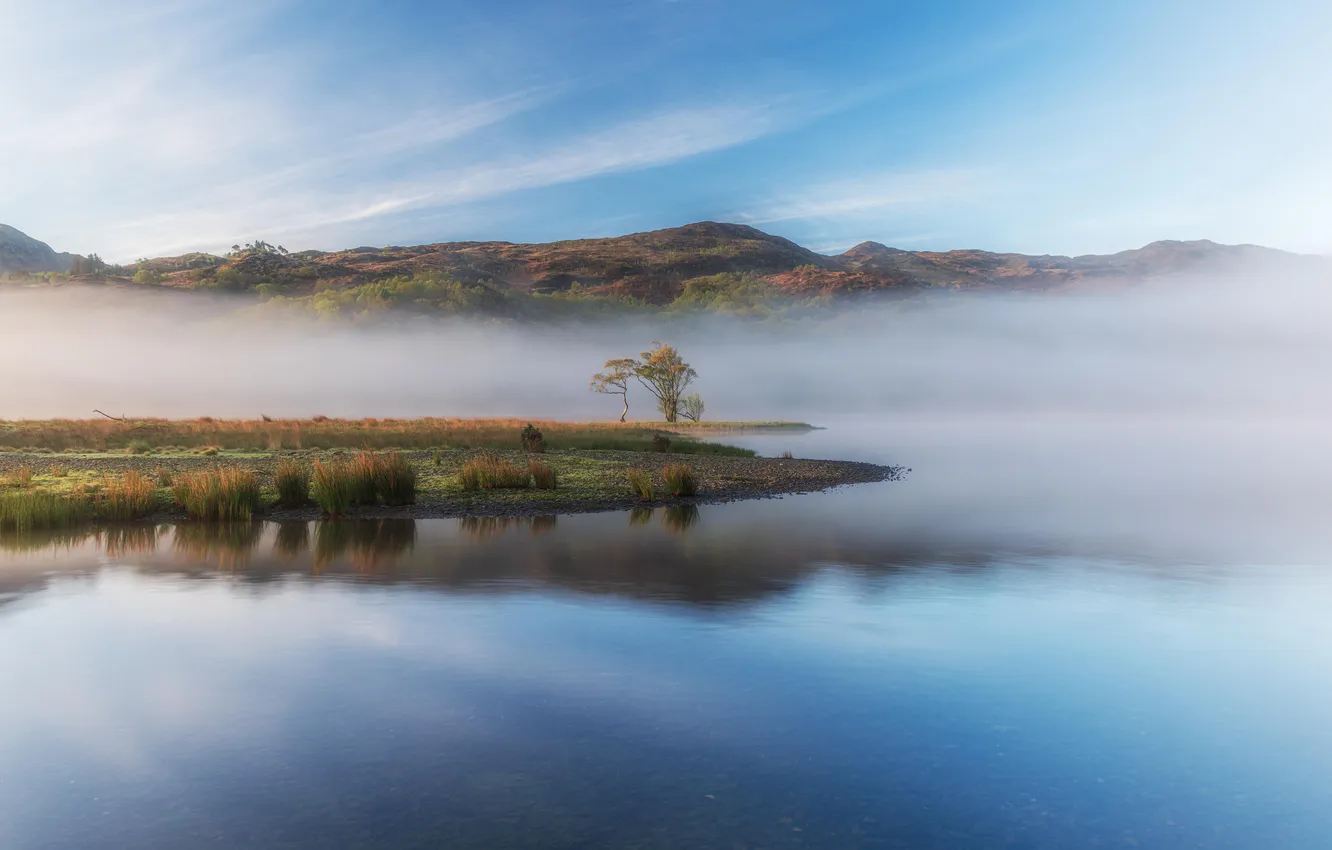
x=158 y=126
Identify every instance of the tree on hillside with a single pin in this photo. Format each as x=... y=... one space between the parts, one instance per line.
x=615 y=380
x=665 y=374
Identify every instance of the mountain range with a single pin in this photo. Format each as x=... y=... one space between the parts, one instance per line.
x=661 y=266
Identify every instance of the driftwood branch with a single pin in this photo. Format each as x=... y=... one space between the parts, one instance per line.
x=109 y=416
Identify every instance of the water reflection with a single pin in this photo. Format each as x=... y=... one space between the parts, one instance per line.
x=292 y=540
x=640 y=516
x=664 y=554
x=680 y=518
x=223 y=545
x=485 y=527
x=121 y=541
x=370 y=547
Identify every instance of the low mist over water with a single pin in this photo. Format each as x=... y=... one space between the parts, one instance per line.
x=1181 y=348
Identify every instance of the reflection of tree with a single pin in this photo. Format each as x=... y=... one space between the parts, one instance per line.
x=292 y=541
x=227 y=545
x=680 y=518
x=370 y=546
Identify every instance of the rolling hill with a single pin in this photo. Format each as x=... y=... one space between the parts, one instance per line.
x=706 y=265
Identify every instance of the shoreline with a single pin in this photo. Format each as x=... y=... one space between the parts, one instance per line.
x=591 y=481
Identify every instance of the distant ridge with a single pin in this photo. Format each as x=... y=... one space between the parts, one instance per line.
x=662 y=266
x=19 y=252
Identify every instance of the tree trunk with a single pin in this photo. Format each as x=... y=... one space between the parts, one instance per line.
x=626 y=406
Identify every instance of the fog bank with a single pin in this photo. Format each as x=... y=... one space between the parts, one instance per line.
x=1183 y=348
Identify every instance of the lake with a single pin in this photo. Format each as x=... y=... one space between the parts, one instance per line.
x=1052 y=634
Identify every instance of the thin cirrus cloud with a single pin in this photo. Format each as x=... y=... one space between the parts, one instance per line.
x=870 y=196
x=304 y=208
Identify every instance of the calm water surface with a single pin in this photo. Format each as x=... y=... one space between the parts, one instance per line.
x=1041 y=639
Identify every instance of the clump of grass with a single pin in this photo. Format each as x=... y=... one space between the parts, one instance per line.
x=293 y=482
x=224 y=494
x=679 y=480
x=139 y=447
x=22 y=477
x=131 y=496
x=42 y=509
x=164 y=476
x=661 y=443
x=395 y=479
x=640 y=484
x=209 y=451
x=331 y=486
x=786 y=455
x=364 y=481
x=543 y=477
x=491 y=472
x=435 y=458
x=58 y=471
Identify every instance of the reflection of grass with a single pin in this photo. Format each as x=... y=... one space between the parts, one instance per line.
x=369 y=545
x=38 y=540
x=292 y=541
x=118 y=541
x=640 y=516
x=680 y=518
x=226 y=544
x=486 y=527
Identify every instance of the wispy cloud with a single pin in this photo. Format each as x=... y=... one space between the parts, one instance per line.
x=307 y=206
x=871 y=195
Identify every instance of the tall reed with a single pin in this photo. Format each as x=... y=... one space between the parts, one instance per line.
x=41 y=509
x=489 y=471
x=292 y=479
x=543 y=477
x=131 y=496
x=679 y=479
x=640 y=484
x=364 y=478
x=223 y=493
x=395 y=480
x=331 y=486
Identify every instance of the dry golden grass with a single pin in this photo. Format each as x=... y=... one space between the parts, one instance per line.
x=543 y=477
x=492 y=472
x=208 y=434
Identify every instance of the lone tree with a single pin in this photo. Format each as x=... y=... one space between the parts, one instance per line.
x=665 y=374
x=692 y=407
x=615 y=380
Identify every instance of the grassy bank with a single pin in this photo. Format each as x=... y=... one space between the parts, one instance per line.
x=43 y=491
x=266 y=434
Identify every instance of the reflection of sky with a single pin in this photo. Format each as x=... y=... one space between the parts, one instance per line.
x=1054 y=700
